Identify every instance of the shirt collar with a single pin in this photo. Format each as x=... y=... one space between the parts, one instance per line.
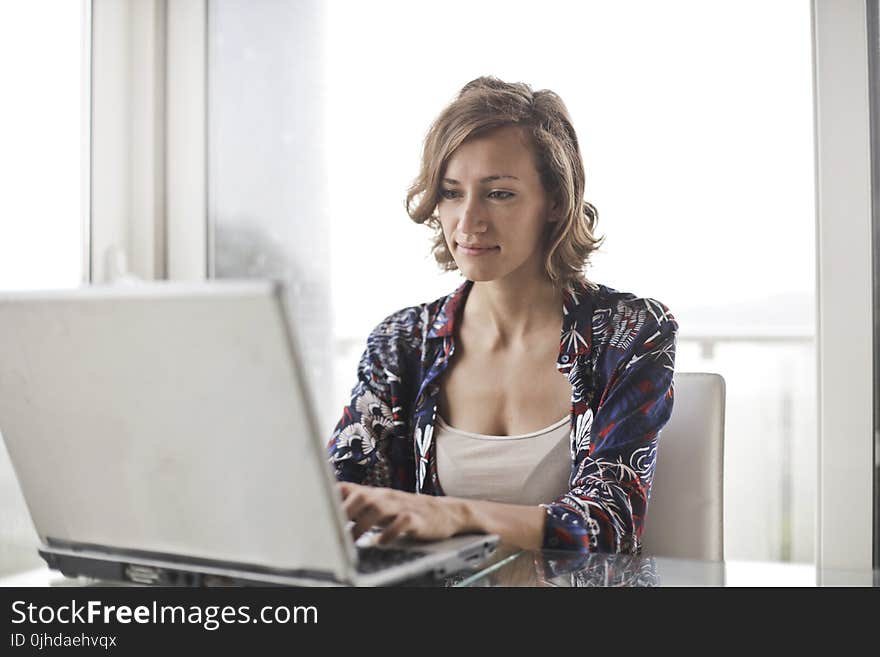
x=444 y=322
x=576 y=337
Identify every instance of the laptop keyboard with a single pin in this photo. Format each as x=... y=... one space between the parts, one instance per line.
x=373 y=559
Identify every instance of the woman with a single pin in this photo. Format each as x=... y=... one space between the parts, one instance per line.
x=528 y=403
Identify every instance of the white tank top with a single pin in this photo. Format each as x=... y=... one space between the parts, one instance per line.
x=531 y=469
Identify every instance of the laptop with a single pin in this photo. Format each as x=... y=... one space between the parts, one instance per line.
x=162 y=433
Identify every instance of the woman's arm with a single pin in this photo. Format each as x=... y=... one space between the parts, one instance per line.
x=606 y=507
x=360 y=450
x=522 y=526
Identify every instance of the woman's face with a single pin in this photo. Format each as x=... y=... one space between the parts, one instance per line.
x=493 y=208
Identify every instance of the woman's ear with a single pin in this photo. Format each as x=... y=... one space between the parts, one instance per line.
x=553 y=212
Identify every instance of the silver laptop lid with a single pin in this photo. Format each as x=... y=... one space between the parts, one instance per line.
x=171 y=418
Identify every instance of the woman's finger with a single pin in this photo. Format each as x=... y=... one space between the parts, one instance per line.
x=368 y=519
x=345 y=489
x=357 y=503
x=400 y=525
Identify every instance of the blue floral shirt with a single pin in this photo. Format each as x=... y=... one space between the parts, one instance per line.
x=618 y=352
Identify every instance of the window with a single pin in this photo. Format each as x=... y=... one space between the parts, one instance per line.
x=695 y=121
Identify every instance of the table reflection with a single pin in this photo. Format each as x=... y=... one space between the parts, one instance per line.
x=510 y=567
x=513 y=567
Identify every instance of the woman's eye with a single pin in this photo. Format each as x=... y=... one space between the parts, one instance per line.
x=499 y=195
x=448 y=193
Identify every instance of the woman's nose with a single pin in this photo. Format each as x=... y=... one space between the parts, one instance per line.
x=472 y=219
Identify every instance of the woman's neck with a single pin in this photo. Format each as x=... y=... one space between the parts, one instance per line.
x=508 y=312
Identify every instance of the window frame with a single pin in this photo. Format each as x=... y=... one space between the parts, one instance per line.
x=147 y=140
x=844 y=284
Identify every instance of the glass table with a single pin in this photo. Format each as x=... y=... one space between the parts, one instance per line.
x=512 y=567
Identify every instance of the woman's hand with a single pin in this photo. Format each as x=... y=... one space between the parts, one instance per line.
x=422 y=517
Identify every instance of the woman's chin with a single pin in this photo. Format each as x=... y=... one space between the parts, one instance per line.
x=478 y=274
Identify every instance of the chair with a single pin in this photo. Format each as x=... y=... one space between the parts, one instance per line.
x=685 y=512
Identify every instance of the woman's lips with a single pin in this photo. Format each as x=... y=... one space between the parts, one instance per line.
x=477 y=250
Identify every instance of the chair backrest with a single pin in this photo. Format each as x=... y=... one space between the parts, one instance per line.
x=686 y=509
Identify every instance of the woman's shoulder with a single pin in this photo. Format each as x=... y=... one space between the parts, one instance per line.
x=619 y=317
x=619 y=301
x=410 y=325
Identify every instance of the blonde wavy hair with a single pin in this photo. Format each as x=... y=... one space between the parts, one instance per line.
x=488 y=103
